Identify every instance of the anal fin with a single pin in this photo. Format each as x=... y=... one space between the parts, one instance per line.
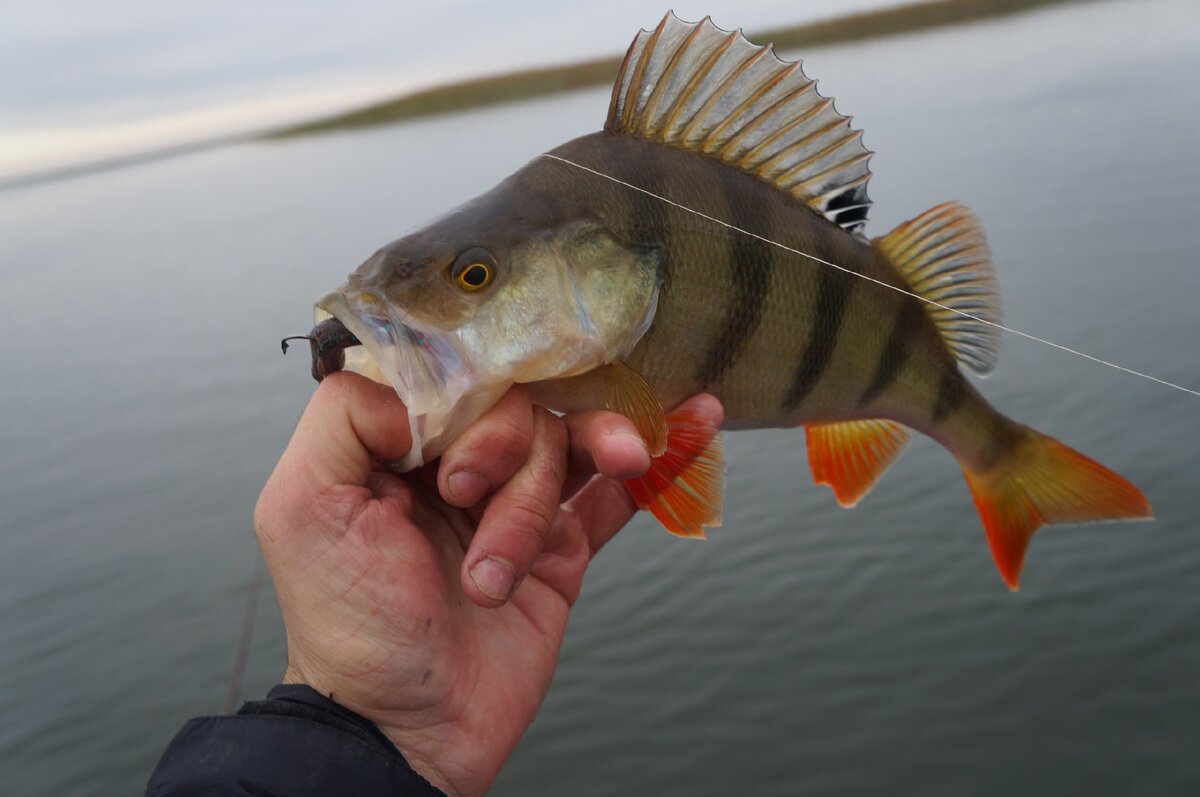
x=685 y=486
x=848 y=456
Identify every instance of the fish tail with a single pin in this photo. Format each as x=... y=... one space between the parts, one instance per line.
x=1041 y=482
x=685 y=486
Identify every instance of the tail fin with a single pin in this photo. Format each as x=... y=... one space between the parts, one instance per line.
x=1041 y=483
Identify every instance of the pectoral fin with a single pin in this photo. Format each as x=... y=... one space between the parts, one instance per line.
x=849 y=456
x=629 y=395
x=685 y=487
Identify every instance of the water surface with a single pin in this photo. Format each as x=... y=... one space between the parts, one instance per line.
x=803 y=648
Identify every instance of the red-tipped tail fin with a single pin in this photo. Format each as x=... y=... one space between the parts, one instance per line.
x=1046 y=482
x=685 y=486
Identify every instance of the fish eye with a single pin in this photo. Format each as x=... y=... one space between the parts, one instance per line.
x=473 y=270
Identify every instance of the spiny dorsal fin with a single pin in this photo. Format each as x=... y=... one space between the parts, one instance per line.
x=695 y=86
x=943 y=256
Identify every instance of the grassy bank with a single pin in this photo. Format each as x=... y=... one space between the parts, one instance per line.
x=525 y=84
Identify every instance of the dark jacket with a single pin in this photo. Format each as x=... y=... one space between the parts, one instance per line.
x=296 y=742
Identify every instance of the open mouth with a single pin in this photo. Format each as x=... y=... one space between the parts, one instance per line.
x=328 y=341
x=439 y=387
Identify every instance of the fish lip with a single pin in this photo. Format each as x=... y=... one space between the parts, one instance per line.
x=427 y=367
x=423 y=364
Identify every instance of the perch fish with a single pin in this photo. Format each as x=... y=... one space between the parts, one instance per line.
x=676 y=252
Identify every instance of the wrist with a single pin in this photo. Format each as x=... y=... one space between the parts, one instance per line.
x=414 y=744
x=294 y=741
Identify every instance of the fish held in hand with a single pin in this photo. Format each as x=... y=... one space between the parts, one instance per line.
x=710 y=239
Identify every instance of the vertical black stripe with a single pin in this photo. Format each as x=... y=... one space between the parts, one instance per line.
x=951 y=394
x=833 y=296
x=896 y=350
x=749 y=264
x=646 y=219
x=646 y=216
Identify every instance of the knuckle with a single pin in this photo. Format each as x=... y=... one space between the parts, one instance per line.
x=531 y=517
x=497 y=447
x=547 y=470
x=269 y=514
x=510 y=436
x=545 y=419
x=550 y=429
x=262 y=515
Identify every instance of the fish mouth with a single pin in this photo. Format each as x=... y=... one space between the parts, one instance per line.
x=328 y=341
x=362 y=333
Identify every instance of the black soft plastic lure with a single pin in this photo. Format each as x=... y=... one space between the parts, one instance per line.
x=328 y=341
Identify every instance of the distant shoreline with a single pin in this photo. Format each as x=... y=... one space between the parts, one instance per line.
x=530 y=83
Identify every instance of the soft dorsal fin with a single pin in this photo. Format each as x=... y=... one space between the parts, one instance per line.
x=943 y=256
x=695 y=86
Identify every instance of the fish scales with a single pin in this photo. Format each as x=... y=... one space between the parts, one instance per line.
x=676 y=252
x=772 y=319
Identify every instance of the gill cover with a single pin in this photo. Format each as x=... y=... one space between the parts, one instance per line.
x=571 y=298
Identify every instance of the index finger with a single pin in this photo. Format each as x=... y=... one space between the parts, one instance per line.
x=518 y=518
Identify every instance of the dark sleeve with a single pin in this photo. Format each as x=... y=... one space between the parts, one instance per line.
x=296 y=742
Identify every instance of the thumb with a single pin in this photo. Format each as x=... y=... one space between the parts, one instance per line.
x=349 y=422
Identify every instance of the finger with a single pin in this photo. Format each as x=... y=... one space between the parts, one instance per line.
x=489 y=452
x=606 y=443
x=518 y=517
x=349 y=422
x=603 y=507
x=706 y=406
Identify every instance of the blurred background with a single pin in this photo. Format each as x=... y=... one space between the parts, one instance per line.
x=154 y=247
x=85 y=83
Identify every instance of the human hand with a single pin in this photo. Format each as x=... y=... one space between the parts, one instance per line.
x=434 y=603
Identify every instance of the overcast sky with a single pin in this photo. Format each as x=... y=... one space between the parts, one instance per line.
x=82 y=80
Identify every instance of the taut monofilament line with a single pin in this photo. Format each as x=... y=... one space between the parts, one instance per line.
x=895 y=288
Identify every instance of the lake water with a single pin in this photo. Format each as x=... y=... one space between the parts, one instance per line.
x=803 y=648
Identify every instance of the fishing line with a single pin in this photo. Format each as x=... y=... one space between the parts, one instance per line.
x=241 y=648
x=937 y=304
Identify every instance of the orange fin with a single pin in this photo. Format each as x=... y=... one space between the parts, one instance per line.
x=849 y=455
x=685 y=486
x=629 y=395
x=1046 y=482
x=943 y=256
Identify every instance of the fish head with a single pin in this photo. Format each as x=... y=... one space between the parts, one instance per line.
x=512 y=287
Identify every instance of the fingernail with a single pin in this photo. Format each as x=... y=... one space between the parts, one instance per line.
x=494 y=578
x=465 y=488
